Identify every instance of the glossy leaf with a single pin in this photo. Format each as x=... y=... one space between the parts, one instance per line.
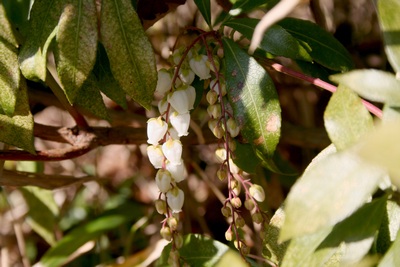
x=328 y=192
x=273 y=39
x=76 y=42
x=89 y=98
x=204 y=7
x=202 y=251
x=18 y=129
x=346 y=118
x=129 y=51
x=245 y=158
x=389 y=20
x=382 y=148
x=42 y=212
x=321 y=45
x=254 y=100
x=392 y=257
x=9 y=67
x=106 y=81
x=245 y=6
x=374 y=85
x=44 y=17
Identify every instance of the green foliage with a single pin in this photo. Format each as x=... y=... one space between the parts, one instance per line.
x=204 y=7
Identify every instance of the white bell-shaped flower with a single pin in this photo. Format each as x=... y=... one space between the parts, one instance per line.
x=163 y=180
x=155 y=155
x=180 y=122
x=179 y=101
x=257 y=192
x=163 y=82
x=200 y=67
x=162 y=106
x=172 y=133
x=175 y=198
x=216 y=88
x=178 y=172
x=191 y=94
x=172 y=150
x=186 y=75
x=156 y=129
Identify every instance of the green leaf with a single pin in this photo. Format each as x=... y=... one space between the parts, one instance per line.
x=245 y=158
x=89 y=98
x=375 y=85
x=273 y=39
x=18 y=129
x=76 y=43
x=202 y=251
x=273 y=249
x=392 y=257
x=18 y=13
x=245 y=6
x=328 y=192
x=254 y=100
x=9 y=67
x=106 y=81
x=382 y=148
x=321 y=45
x=110 y=220
x=389 y=227
x=44 y=17
x=314 y=69
x=388 y=11
x=346 y=118
x=204 y=7
x=129 y=51
x=42 y=212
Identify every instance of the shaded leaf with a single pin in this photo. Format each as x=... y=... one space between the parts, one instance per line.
x=44 y=18
x=392 y=257
x=346 y=118
x=76 y=43
x=129 y=51
x=18 y=13
x=245 y=158
x=389 y=227
x=18 y=129
x=202 y=251
x=254 y=100
x=273 y=39
x=274 y=250
x=314 y=69
x=6 y=31
x=328 y=192
x=321 y=45
x=42 y=212
x=388 y=11
x=375 y=85
x=245 y=6
x=204 y=7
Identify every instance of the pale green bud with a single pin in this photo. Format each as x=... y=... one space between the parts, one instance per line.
x=214 y=111
x=240 y=222
x=236 y=202
x=249 y=204
x=161 y=206
x=166 y=233
x=226 y=211
x=222 y=173
x=211 y=97
x=175 y=198
x=257 y=192
x=233 y=129
x=257 y=217
x=163 y=180
x=229 y=235
x=172 y=223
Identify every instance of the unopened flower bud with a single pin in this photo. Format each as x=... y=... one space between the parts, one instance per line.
x=222 y=173
x=178 y=171
x=216 y=63
x=163 y=82
x=226 y=211
x=233 y=129
x=211 y=97
x=218 y=87
x=163 y=180
x=166 y=233
x=220 y=153
x=233 y=168
x=214 y=111
x=178 y=240
x=180 y=122
x=177 y=55
x=236 y=202
x=249 y=204
x=216 y=128
x=200 y=67
x=244 y=249
x=172 y=223
x=155 y=155
x=257 y=217
x=161 y=206
x=172 y=150
x=232 y=144
x=175 y=198
x=156 y=129
x=240 y=222
x=229 y=235
x=257 y=192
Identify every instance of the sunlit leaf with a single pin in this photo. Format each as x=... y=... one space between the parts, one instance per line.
x=254 y=100
x=388 y=11
x=329 y=192
x=273 y=39
x=204 y=7
x=389 y=227
x=323 y=47
x=42 y=212
x=375 y=85
x=129 y=51
x=274 y=250
x=346 y=118
x=44 y=17
x=202 y=251
x=76 y=42
x=392 y=257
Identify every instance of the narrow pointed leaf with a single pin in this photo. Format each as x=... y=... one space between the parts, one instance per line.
x=329 y=192
x=392 y=257
x=374 y=85
x=389 y=227
x=44 y=18
x=346 y=118
x=245 y=6
x=388 y=11
x=321 y=45
x=9 y=67
x=76 y=43
x=204 y=7
x=18 y=129
x=129 y=51
x=273 y=39
x=254 y=100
